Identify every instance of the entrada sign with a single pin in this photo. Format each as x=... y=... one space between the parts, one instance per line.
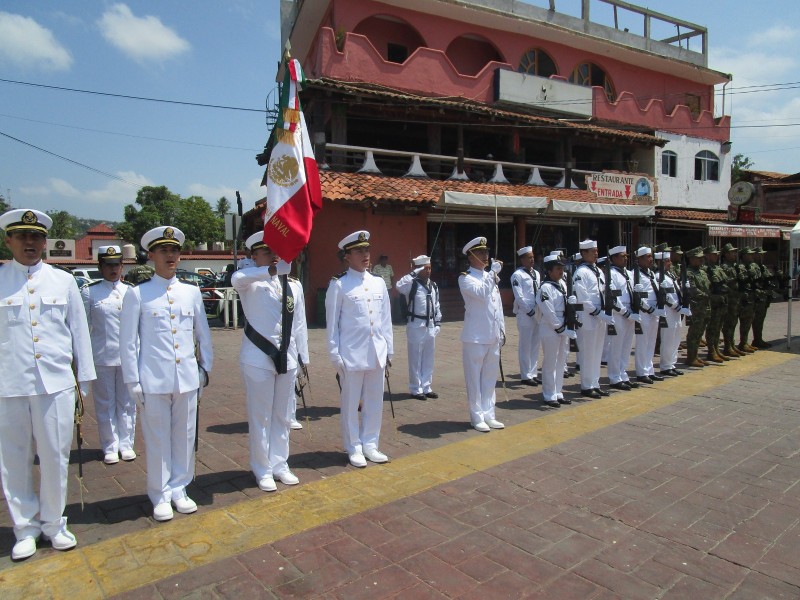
x=618 y=186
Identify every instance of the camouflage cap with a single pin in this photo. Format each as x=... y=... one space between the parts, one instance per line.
x=695 y=252
x=662 y=247
x=759 y=250
x=729 y=247
x=747 y=250
x=676 y=250
x=712 y=249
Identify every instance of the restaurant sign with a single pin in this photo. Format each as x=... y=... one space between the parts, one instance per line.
x=620 y=186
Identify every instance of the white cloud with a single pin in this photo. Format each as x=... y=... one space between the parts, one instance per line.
x=24 y=43
x=144 y=39
x=778 y=35
x=211 y=193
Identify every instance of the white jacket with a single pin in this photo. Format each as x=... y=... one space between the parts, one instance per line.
x=588 y=285
x=426 y=306
x=483 y=318
x=525 y=286
x=102 y=301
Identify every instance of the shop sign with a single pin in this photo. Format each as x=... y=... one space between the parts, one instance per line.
x=619 y=186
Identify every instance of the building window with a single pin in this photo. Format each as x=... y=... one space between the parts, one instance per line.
x=693 y=102
x=706 y=166
x=590 y=75
x=537 y=62
x=396 y=53
x=669 y=163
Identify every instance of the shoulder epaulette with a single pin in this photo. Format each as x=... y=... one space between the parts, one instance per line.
x=138 y=283
x=94 y=283
x=127 y=283
x=465 y=272
x=340 y=275
x=293 y=279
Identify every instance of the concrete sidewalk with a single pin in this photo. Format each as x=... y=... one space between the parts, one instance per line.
x=700 y=463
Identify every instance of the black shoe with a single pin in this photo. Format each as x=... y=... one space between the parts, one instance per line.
x=530 y=382
x=668 y=373
x=418 y=396
x=590 y=394
x=644 y=379
x=601 y=392
x=564 y=401
x=577 y=368
x=552 y=403
x=676 y=371
x=568 y=374
x=603 y=363
x=632 y=384
x=621 y=385
x=537 y=381
x=431 y=395
x=656 y=377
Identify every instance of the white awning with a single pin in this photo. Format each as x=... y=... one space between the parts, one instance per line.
x=517 y=204
x=597 y=208
x=744 y=231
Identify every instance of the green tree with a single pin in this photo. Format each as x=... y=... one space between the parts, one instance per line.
x=65 y=226
x=740 y=163
x=199 y=222
x=223 y=207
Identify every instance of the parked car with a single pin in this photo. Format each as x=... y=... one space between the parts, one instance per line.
x=213 y=300
x=82 y=281
x=93 y=274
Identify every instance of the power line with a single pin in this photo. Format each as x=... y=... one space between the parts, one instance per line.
x=69 y=160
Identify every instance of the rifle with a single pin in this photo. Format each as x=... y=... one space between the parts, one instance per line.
x=571 y=310
x=609 y=298
x=78 y=418
x=301 y=381
x=636 y=300
x=661 y=295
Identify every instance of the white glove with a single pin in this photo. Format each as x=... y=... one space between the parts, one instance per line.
x=496 y=266
x=569 y=333
x=338 y=364
x=686 y=311
x=283 y=268
x=572 y=300
x=645 y=305
x=638 y=287
x=660 y=312
x=606 y=318
x=389 y=358
x=135 y=390
x=635 y=317
x=418 y=270
x=436 y=330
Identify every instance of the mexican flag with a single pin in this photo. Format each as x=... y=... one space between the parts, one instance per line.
x=293 y=189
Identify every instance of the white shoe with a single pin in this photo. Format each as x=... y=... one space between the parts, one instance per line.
x=267 y=484
x=288 y=478
x=295 y=424
x=495 y=424
x=162 y=511
x=24 y=548
x=375 y=455
x=63 y=540
x=357 y=460
x=128 y=455
x=111 y=458
x=185 y=505
x=482 y=427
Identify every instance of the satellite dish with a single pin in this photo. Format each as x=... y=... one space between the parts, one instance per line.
x=741 y=193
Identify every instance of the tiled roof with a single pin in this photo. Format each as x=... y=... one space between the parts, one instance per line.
x=100 y=230
x=720 y=216
x=366 y=89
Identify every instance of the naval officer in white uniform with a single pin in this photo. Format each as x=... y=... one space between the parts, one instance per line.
x=483 y=334
x=114 y=407
x=525 y=283
x=360 y=345
x=162 y=321
x=268 y=376
x=422 y=327
x=43 y=334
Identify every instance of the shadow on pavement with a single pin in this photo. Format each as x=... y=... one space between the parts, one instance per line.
x=318 y=460
x=434 y=429
x=228 y=428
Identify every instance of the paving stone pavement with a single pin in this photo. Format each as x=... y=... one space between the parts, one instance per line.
x=697 y=498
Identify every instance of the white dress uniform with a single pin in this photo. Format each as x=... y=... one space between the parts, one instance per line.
x=646 y=342
x=360 y=339
x=114 y=408
x=589 y=287
x=422 y=327
x=43 y=331
x=162 y=321
x=672 y=333
x=269 y=393
x=483 y=333
x=622 y=343
x=525 y=284
x=551 y=300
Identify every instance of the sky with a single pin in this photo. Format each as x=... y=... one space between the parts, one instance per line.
x=225 y=53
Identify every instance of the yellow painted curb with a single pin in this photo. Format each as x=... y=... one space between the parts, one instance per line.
x=126 y=562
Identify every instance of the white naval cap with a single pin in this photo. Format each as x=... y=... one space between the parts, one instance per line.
x=421 y=260
x=25 y=219
x=617 y=250
x=160 y=236
x=662 y=256
x=577 y=256
x=109 y=254
x=644 y=250
x=601 y=260
x=588 y=244
x=357 y=239
x=525 y=250
x=553 y=258
x=478 y=243
x=255 y=241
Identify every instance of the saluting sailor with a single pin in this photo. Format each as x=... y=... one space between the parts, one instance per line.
x=424 y=318
x=114 y=407
x=275 y=337
x=360 y=345
x=525 y=283
x=43 y=334
x=162 y=321
x=483 y=334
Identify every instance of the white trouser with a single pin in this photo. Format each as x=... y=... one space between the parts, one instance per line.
x=421 y=345
x=115 y=410
x=293 y=397
x=607 y=346
x=481 y=367
x=366 y=386
x=529 y=344
x=670 y=340
x=590 y=342
x=268 y=406
x=168 y=423
x=620 y=354
x=555 y=349
x=646 y=345
x=47 y=421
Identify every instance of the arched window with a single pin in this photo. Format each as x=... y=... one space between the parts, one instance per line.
x=393 y=37
x=470 y=53
x=537 y=62
x=589 y=74
x=706 y=166
x=669 y=163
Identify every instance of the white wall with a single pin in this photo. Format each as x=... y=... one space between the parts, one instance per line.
x=683 y=191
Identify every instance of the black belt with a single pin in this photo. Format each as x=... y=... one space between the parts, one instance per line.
x=279 y=358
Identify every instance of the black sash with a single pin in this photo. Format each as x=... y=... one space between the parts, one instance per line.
x=279 y=356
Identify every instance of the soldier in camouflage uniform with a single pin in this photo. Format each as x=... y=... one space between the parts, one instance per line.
x=718 y=302
x=142 y=271
x=700 y=287
x=748 y=288
x=735 y=276
x=766 y=285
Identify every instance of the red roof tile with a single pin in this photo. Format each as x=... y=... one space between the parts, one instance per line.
x=719 y=216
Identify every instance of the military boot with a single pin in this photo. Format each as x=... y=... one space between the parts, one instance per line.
x=713 y=357
x=743 y=347
x=729 y=352
x=693 y=361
